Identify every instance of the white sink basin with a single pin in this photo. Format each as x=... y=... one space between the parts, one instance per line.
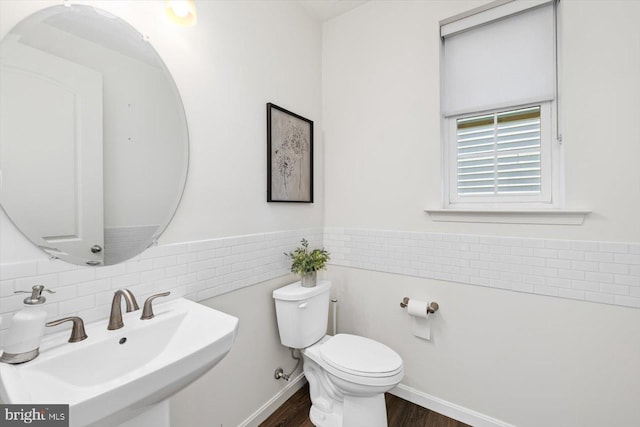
x=106 y=382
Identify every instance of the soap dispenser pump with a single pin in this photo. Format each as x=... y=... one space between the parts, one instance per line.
x=26 y=330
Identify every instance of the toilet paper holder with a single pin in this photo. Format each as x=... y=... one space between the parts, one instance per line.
x=432 y=308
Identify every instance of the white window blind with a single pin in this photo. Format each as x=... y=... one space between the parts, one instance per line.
x=506 y=62
x=499 y=153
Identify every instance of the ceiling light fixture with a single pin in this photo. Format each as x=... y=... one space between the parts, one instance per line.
x=181 y=12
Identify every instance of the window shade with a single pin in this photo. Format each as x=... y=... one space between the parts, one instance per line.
x=503 y=63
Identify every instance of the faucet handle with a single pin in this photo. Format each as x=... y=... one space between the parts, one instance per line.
x=147 y=311
x=77 y=331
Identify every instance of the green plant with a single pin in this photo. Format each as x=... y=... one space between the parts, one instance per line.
x=305 y=261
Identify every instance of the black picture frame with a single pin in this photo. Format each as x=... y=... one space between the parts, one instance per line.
x=289 y=156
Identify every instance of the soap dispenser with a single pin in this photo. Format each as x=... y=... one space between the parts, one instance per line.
x=26 y=330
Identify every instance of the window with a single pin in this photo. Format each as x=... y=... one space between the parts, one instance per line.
x=499 y=157
x=499 y=106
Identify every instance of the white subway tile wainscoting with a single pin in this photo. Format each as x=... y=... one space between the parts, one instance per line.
x=126 y=241
x=195 y=270
x=602 y=272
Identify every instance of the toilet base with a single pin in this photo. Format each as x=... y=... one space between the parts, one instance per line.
x=323 y=419
x=364 y=411
x=356 y=412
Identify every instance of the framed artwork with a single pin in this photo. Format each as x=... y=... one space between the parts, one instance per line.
x=289 y=156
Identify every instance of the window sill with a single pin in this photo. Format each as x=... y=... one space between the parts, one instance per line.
x=515 y=216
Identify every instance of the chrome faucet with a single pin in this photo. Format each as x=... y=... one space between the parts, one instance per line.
x=115 y=320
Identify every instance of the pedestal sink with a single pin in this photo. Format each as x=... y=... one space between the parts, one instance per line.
x=116 y=377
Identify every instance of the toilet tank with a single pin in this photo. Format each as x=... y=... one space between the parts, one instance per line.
x=302 y=313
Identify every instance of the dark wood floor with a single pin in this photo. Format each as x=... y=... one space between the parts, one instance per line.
x=400 y=413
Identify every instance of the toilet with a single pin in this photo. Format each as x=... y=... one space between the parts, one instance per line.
x=347 y=374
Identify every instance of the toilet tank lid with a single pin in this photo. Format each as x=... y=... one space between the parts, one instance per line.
x=296 y=292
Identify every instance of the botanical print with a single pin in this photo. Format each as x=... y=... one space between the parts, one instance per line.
x=290 y=157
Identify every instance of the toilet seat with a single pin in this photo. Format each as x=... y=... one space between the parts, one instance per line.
x=360 y=356
x=358 y=360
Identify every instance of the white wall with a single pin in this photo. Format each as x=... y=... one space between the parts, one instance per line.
x=520 y=358
x=240 y=56
x=382 y=127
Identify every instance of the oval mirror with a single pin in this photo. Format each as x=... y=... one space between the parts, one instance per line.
x=93 y=136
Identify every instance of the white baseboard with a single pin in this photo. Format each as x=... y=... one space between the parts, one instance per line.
x=449 y=409
x=275 y=402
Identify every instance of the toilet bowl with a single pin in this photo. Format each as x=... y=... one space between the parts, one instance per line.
x=347 y=374
x=351 y=375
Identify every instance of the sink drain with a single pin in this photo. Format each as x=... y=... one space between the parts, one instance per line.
x=122 y=340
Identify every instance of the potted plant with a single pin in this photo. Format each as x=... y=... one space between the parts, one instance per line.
x=306 y=263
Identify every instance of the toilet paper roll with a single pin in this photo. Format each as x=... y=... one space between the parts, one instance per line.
x=419 y=319
x=417 y=308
